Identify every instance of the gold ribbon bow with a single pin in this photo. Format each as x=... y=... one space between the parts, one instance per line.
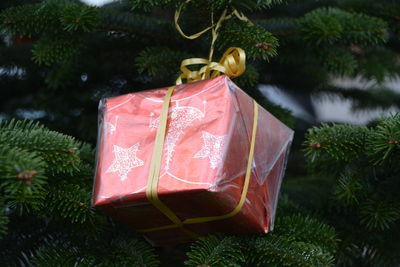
x=232 y=64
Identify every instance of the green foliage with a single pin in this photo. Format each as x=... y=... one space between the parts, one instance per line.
x=384 y=142
x=379 y=215
x=119 y=253
x=379 y=63
x=281 y=252
x=257 y=42
x=60 y=254
x=215 y=5
x=365 y=204
x=148 y=5
x=335 y=143
x=298 y=240
x=78 y=17
x=329 y=25
x=301 y=228
x=59 y=57
x=70 y=202
x=348 y=189
x=57 y=150
x=22 y=178
x=28 y=20
x=49 y=51
x=133 y=253
x=160 y=62
x=136 y=26
x=339 y=61
x=216 y=250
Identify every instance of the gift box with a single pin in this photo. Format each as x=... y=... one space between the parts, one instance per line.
x=201 y=186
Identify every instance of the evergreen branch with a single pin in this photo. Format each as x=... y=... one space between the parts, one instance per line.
x=254 y=5
x=379 y=63
x=49 y=17
x=28 y=20
x=59 y=253
x=57 y=150
x=79 y=18
x=385 y=9
x=300 y=228
x=379 y=214
x=215 y=250
x=349 y=189
x=147 y=5
x=70 y=202
x=282 y=26
x=131 y=253
x=48 y=51
x=257 y=42
x=337 y=142
x=338 y=60
x=119 y=253
x=22 y=178
x=137 y=25
x=331 y=25
x=215 y=5
x=160 y=62
x=384 y=142
x=87 y=153
x=279 y=251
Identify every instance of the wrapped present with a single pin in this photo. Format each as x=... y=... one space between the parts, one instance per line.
x=215 y=166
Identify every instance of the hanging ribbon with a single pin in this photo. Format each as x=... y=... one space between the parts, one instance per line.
x=232 y=64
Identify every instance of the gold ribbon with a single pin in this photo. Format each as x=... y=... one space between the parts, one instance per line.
x=155 y=165
x=152 y=183
x=232 y=64
x=214 y=26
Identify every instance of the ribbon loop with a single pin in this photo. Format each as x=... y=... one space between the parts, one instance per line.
x=232 y=64
x=179 y=29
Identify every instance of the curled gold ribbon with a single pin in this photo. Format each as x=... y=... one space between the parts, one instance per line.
x=214 y=27
x=232 y=64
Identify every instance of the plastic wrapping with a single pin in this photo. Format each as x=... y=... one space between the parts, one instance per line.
x=203 y=164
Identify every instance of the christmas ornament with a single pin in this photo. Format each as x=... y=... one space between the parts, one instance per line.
x=203 y=180
x=182 y=162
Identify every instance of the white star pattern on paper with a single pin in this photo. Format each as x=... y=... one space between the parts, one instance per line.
x=125 y=160
x=180 y=119
x=212 y=149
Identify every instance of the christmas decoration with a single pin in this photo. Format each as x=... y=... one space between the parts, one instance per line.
x=340 y=211
x=219 y=169
x=201 y=177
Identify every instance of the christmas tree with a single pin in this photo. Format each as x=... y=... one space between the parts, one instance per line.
x=58 y=58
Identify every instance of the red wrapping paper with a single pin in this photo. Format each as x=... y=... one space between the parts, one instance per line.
x=204 y=160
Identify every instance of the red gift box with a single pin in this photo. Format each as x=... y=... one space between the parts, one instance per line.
x=203 y=165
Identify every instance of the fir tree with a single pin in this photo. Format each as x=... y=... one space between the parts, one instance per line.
x=58 y=58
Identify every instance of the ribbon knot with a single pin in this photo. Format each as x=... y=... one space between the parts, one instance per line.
x=232 y=64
